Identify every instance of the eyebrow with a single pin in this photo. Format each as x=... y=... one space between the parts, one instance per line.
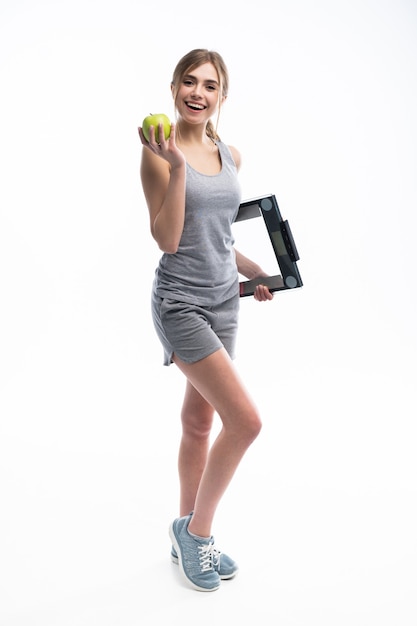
x=208 y=80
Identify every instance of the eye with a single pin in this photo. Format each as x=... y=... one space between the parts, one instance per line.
x=211 y=87
x=187 y=81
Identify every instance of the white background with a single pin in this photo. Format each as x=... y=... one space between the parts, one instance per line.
x=322 y=513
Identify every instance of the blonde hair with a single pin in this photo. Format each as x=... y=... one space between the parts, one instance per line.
x=194 y=59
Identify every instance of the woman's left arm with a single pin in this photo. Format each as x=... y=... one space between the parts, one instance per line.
x=251 y=270
x=245 y=266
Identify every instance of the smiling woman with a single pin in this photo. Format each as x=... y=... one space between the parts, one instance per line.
x=198 y=95
x=193 y=195
x=217 y=80
x=332 y=367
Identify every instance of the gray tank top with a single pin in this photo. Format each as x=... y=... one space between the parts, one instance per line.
x=203 y=270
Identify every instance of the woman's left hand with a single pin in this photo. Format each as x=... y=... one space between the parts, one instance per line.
x=262 y=293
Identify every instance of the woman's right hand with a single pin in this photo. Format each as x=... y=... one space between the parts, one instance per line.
x=167 y=149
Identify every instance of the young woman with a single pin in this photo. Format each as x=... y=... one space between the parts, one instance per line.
x=191 y=188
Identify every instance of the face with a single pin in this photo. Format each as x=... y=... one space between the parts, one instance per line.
x=198 y=94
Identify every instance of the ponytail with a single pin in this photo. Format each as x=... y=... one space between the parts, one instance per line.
x=211 y=132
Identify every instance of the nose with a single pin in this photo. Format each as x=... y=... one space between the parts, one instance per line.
x=196 y=90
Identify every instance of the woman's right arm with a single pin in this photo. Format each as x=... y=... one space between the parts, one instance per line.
x=163 y=171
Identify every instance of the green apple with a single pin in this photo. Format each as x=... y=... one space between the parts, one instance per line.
x=155 y=120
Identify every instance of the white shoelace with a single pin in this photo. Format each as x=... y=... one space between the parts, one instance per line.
x=208 y=556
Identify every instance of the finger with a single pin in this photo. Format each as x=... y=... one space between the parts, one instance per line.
x=258 y=293
x=267 y=294
x=163 y=141
x=262 y=293
x=142 y=136
x=152 y=145
x=161 y=134
x=172 y=133
x=152 y=134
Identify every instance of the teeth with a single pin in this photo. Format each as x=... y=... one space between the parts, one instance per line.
x=195 y=106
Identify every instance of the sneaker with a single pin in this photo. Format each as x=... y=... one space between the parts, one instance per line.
x=223 y=564
x=195 y=556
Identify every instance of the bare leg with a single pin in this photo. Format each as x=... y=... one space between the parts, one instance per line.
x=216 y=380
x=197 y=419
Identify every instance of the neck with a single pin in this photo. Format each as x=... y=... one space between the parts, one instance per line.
x=192 y=134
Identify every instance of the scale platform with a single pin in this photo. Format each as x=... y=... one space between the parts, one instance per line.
x=282 y=242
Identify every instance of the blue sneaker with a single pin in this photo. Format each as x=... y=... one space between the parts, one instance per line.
x=223 y=564
x=195 y=556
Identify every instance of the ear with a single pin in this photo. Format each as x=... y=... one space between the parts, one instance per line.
x=172 y=89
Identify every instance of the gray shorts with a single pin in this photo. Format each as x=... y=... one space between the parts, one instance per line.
x=193 y=332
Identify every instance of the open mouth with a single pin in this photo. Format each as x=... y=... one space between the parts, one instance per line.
x=194 y=106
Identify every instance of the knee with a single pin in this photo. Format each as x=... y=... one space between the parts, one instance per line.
x=196 y=425
x=250 y=427
x=255 y=426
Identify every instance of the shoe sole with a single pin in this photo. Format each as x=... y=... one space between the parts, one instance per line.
x=178 y=551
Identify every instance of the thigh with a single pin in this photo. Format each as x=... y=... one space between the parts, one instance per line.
x=217 y=381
